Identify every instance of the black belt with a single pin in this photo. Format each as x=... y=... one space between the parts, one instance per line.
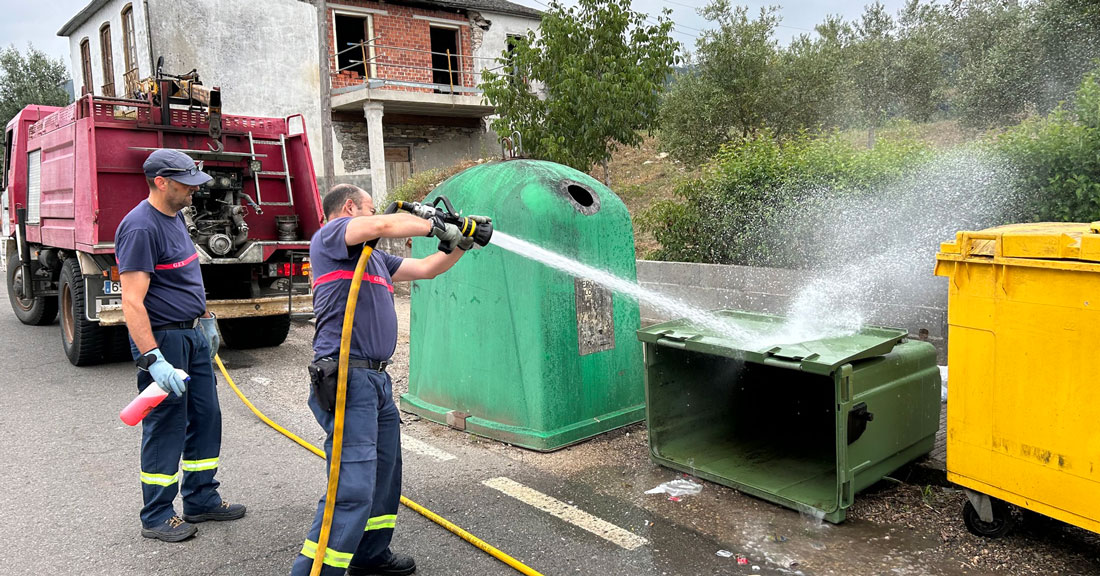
x=376 y=365
x=186 y=325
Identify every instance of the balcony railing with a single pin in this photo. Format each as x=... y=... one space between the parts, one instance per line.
x=389 y=67
x=132 y=82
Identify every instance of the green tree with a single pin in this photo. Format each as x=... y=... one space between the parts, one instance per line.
x=34 y=78
x=602 y=67
x=873 y=67
x=919 y=78
x=813 y=88
x=732 y=87
x=1012 y=59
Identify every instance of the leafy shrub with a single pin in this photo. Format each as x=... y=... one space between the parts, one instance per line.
x=1057 y=158
x=736 y=212
x=419 y=185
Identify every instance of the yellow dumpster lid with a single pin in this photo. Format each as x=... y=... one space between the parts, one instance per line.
x=1040 y=240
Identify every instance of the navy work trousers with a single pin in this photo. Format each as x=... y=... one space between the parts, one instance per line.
x=370 y=477
x=188 y=426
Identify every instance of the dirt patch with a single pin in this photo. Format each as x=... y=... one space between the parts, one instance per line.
x=1038 y=545
x=641 y=177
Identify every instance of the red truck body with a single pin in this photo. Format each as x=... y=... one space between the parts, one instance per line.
x=77 y=171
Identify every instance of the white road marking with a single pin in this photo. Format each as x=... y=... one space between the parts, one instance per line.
x=414 y=445
x=567 y=512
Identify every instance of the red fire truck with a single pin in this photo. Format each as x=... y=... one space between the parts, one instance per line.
x=71 y=174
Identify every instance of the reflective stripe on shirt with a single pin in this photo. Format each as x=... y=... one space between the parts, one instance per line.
x=180 y=264
x=348 y=275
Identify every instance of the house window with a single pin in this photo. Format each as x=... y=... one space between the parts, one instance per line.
x=519 y=72
x=129 y=49
x=86 y=67
x=108 y=61
x=445 y=68
x=351 y=31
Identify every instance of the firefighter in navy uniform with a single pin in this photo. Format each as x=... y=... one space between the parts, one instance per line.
x=370 y=467
x=164 y=304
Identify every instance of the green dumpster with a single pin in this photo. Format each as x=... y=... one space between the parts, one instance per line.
x=805 y=425
x=511 y=349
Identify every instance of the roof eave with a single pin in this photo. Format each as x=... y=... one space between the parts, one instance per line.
x=81 y=17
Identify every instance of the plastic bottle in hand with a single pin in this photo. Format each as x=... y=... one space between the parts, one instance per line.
x=150 y=398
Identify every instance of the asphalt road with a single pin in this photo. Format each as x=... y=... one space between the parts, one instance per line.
x=70 y=493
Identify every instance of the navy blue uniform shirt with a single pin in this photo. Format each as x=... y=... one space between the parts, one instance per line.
x=374 y=335
x=149 y=241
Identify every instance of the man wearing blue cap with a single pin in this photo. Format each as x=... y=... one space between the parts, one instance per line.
x=164 y=302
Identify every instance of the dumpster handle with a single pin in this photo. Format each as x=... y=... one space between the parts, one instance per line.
x=672 y=343
x=968 y=244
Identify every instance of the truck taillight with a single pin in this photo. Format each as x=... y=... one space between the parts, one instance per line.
x=112 y=273
x=288 y=269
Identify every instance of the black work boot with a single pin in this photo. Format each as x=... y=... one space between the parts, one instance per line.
x=396 y=565
x=173 y=529
x=221 y=512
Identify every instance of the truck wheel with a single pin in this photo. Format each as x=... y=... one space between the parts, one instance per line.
x=243 y=333
x=37 y=311
x=84 y=341
x=118 y=347
x=1001 y=524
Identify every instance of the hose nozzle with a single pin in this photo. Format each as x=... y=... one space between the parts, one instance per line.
x=480 y=228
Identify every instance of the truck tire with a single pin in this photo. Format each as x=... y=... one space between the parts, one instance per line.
x=37 y=311
x=118 y=349
x=85 y=342
x=244 y=333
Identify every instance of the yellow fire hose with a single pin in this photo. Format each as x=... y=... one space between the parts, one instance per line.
x=338 y=436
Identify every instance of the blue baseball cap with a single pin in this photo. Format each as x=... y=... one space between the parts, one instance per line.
x=176 y=165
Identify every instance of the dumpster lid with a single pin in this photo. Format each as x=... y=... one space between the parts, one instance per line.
x=1038 y=240
x=819 y=356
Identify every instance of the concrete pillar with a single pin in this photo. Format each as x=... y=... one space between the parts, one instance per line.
x=373 y=112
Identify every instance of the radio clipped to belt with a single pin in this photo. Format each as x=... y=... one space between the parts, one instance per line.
x=324 y=377
x=323 y=381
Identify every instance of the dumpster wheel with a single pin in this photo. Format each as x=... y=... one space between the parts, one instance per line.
x=1002 y=519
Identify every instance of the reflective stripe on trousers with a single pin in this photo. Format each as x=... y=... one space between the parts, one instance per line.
x=333 y=558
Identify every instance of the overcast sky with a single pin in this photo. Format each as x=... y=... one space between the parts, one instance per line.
x=38 y=22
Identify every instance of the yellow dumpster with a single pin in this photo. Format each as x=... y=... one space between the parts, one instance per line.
x=1023 y=399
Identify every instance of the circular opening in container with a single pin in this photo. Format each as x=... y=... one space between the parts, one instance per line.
x=580 y=195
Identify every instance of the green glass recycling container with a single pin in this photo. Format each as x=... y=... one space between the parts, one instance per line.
x=513 y=349
x=805 y=425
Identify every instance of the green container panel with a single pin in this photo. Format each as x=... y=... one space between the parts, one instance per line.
x=535 y=357
x=783 y=423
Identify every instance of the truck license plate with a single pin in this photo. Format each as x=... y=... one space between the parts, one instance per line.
x=110 y=287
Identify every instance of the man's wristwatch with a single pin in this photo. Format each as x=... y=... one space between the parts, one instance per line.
x=146 y=360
